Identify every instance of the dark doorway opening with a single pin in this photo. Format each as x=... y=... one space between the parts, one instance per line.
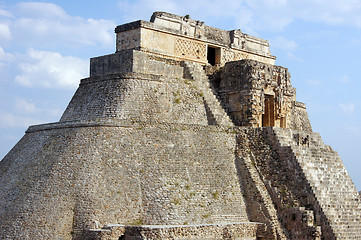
x=213 y=55
x=268 y=117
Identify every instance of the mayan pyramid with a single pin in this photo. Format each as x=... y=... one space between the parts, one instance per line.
x=185 y=132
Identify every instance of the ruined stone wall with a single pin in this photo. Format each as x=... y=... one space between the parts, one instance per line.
x=244 y=85
x=298 y=211
x=260 y=206
x=299 y=117
x=63 y=178
x=306 y=181
x=328 y=179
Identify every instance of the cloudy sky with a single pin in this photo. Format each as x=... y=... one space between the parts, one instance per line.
x=45 y=48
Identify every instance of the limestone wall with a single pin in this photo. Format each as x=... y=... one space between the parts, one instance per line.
x=329 y=181
x=136 y=62
x=245 y=87
x=249 y=231
x=62 y=179
x=129 y=39
x=181 y=38
x=137 y=97
x=114 y=92
x=299 y=118
x=150 y=64
x=298 y=212
x=305 y=180
x=111 y=64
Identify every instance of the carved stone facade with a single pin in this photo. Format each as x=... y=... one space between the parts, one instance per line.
x=259 y=95
x=181 y=38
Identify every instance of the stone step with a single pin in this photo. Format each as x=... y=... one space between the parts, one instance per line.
x=195 y=71
x=328 y=178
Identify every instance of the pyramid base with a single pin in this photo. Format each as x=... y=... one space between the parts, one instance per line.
x=242 y=230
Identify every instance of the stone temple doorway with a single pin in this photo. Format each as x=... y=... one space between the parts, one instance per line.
x=213 y=55
x=268 y=117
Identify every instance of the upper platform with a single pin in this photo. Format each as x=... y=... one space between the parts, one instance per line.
x=181 y=38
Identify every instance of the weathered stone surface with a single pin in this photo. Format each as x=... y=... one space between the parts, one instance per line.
x=246 y=231
x=261 y=95
x=181 y=38
x=61 y=179
x=151 y=147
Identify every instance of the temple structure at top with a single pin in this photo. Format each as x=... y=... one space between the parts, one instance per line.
x=261 y=95
x=181 y=38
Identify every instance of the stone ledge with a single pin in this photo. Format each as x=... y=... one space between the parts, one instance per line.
x=179 y=225
x=77 y=124
x=127 y=75
x=126 y=124
x=149 y=25
x=237 y=230
x=131 y=25
x=300 y=105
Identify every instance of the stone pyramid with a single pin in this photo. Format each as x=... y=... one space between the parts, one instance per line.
x=185 y=132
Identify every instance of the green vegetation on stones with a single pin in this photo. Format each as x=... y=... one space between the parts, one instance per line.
x=136 y=222
x=206 y=216
x=215 y=194
x=253 y=163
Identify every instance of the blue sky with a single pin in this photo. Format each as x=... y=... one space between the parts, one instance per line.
x=45 y=48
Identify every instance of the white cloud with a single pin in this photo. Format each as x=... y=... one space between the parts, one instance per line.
x=254 y=15
x=332 y=12
x=4 y=56
x=55 y=112
x=4 y=13
x=284 y=44
x=40 y=10
x=46 y=24
x=11 y=120
x=345 y=79
x=24 y=106
x=51 y=70
x=5 y=33
x=347 y=107
x=131 y=10
x=240 y=14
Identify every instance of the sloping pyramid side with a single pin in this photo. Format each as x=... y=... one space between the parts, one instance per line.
x=107 y=165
